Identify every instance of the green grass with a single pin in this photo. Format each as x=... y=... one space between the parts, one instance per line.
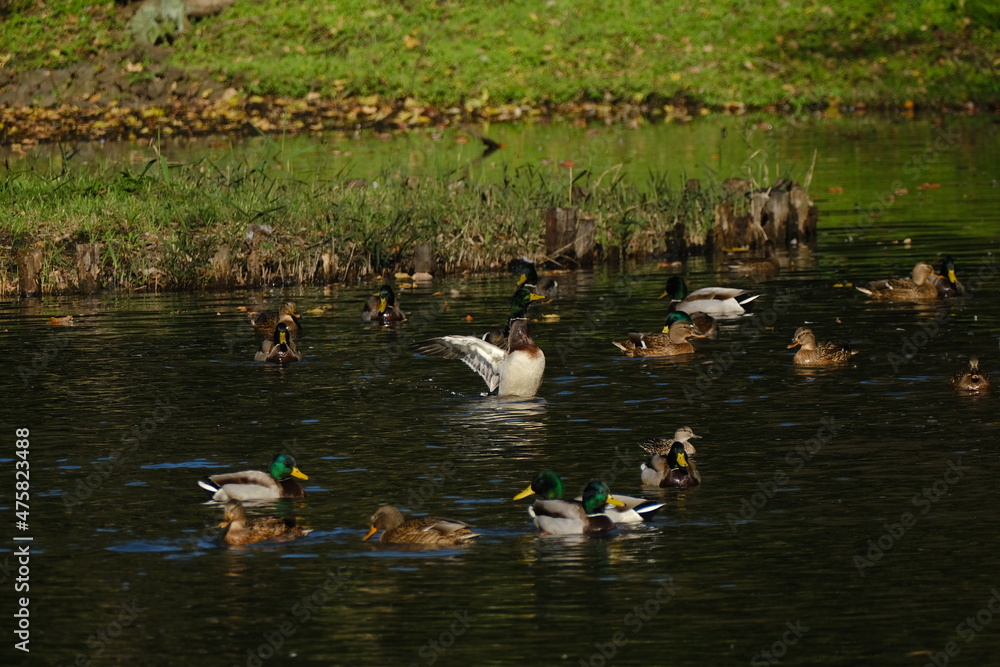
x=160 y=224
x=449 y=52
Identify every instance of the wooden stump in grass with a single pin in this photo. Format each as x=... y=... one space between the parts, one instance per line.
x=221 y=269
x=88 y=267
x=804 y=215
x=569 y=237
x=423 y=258
x=29 y=271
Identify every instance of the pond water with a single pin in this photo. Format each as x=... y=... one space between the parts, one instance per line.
x=847 y=516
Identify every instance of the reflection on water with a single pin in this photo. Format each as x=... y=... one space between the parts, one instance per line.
x=804 y=469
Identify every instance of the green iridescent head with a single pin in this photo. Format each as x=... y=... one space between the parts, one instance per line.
x=281 y=334
x=676 y=316
x=283 y=467
x=677 y=456
x=521 y=300
x=676 y=289
x=524 y=270
x=546 y=484
x=596 y=495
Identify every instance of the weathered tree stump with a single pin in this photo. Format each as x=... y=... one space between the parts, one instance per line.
x=88 y=267
x=29 y=271
x=569 y=237
x=776 y=214
x=804 y=215
x=423 y=258
x=221 y=268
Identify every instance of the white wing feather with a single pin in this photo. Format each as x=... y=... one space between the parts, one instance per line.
x=484 y=358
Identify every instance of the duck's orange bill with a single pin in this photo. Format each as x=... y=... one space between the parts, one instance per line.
x=371 y=531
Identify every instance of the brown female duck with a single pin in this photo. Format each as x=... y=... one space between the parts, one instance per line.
x=425 y=530
x=813 y=353
x=243 y=529
x=671 y=342
x=971 y=379
x=922 y=285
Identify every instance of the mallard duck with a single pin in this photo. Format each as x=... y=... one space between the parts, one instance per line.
x=265 y=321
x=382 y=308
x=675 y=470
x=528 y=276
x=766 y=266
x=971 y=379
x=826 y=353
x=523 y=298
x=243 y=529
x=922 y=285
x=276 y=483
x=715 y=301
x=948 y=284
x=280 y=350
x=425 y=530
x=549 y=486
x=660 y=344
x=514 y=371
x=662 y=445
x=564 y=517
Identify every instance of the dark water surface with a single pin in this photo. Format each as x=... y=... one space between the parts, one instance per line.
x=804 y=470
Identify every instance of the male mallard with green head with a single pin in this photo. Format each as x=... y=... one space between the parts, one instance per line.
x=523 y=298
x=920 y=286
x=672 y=341
x=549 y=486
x=264 y=322
x=675 y=470
x=971 y=379
x=381 y=308
x=527 y=276
x=514 y=371
x=243 y=529
x=824 y=353
x=281 y=349
x=714 y=301
x=564 y=517
x=425 y=530
x=948 y=284
x=276 y=483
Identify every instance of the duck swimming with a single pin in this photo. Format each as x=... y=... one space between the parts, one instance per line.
x=549 y=486
x=425 y=530
x=277 y=482
x=512 y=371
x=714 y=301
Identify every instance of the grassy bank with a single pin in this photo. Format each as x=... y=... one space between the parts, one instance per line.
x=471 y=58
x=228 y=223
